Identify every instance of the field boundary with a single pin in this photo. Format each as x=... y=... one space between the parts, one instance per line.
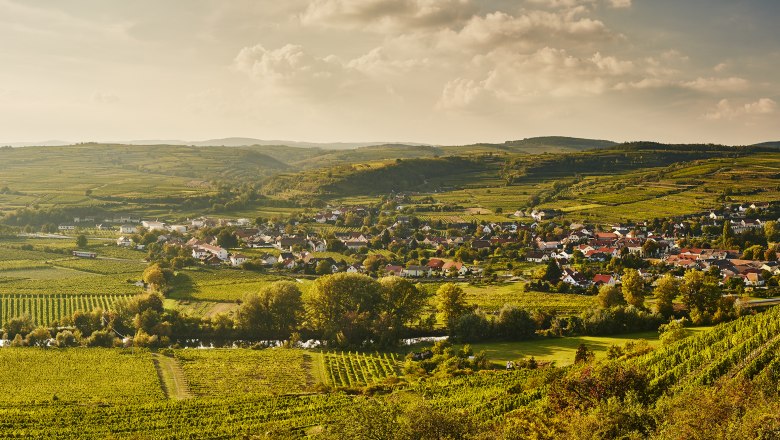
x=172 y=379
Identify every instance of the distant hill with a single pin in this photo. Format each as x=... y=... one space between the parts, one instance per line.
x=772 y=144
x=560 y=142
x=249 y=142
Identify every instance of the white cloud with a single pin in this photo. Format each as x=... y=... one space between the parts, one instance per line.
x=291 y=68
x=720 y=67
x=104 y=98
x=620 y=3
x=726 y=110
x=717 y=85
x=382 y=15
x=546 y=73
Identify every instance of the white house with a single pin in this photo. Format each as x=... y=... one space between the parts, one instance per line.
x=153 y=225
x=124 y=241
x=217 y=251
x=414 y=271
x=238 y=259
x=182 y=229
x=128 y=229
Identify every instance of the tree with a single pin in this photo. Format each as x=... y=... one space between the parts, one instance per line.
x=666 y=290
x=672 y=332
x=153 y=275
x=609 y=296
x=727 y=235
x=21 y=325
x=451 y=302
x=552 y=273
x=81 y=241
x=65 y=339
x=771 y=231
x=227 y=239
x=515 y=323
x=402 y=302
x=274 y=312
x=633 y=287
x=38 y=337
x=583 y=355
x=699 y=292
x=343 y=307
x=324 y=268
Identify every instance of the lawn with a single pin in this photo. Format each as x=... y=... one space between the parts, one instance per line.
x=562 y=350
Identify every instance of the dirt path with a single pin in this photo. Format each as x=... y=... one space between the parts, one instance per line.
x=172 y=379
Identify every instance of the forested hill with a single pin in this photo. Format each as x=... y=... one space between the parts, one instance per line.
x=201 y=163
x=380 y=178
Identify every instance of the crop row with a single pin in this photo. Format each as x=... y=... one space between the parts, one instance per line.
x=46 y=309
x=357 y=369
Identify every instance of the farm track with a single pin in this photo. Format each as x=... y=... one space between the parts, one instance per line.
x=172 y=379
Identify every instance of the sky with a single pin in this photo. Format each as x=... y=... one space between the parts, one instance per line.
x=444 y=72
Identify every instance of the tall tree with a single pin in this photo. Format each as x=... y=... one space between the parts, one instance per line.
x=609 y=296
x=343 y=307
x=451 y=302
x=699 y=292
x=666 y=290
x=633 y=287
x=274 y=312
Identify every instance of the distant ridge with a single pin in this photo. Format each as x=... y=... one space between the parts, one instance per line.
x=561 y=142
x=771 y=144
x=248 y=142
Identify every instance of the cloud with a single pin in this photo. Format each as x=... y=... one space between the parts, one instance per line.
x=728 y=111
x=574 y=3
x=381 y=15
x=717 y=85
x=104 y=98
x=546 y=73
x=291 y=68
x=620 y=3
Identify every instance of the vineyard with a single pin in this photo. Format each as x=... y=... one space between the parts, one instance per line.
x=46 y=309
x=222 y=373
x=748 y=347
x=76 y=375
x=356 y=369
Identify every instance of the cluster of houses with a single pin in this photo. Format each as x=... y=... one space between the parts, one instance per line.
x=534 y=240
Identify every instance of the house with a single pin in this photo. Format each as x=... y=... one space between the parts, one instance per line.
x=217 y=251
x=745 y=225
x=455 y=266
x=153 y=225
x=415 y=271
x=238 y=259
x=267 y=259
x=753 y=279
x=128 y=228
x=66 y=227
x=285 y=256
x=543 y=214
x=318 y=245
x=124 y=241
x=181 y=229
x=394 y=270
x=435 y=264
x=601 y=279
x=354 y=268
x=537 y=257
x=480 y=244
x=574 y=278
x=289 y=264
x=287 y=243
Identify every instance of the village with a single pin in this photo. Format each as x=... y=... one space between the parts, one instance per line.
x=376 y=242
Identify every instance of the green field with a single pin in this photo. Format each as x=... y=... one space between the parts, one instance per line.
x=492 y=297
x=77 y=375
x=562 y=350
x=233 y=372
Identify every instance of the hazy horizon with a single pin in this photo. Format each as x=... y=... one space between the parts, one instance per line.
x=440 y=72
